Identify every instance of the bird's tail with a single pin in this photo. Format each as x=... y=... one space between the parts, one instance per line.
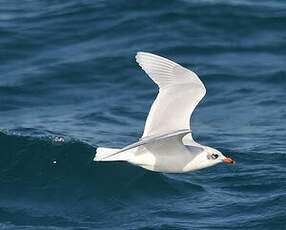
x=109 y=154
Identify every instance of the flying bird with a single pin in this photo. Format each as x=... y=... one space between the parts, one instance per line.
x=167 y=144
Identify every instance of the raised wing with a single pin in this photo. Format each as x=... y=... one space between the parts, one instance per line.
x=180 y=90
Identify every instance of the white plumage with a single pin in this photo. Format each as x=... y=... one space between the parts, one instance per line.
x=167 y=144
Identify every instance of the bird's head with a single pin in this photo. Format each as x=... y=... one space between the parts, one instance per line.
x=214 y=156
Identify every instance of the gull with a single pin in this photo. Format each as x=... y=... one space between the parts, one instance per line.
x=167 y=144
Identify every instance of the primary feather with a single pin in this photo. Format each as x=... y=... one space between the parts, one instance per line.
x=180 y=90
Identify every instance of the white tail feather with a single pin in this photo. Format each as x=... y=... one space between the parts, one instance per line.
x=107 y=154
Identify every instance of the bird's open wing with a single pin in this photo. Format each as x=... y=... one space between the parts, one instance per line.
x=174 y=140
x=180 y=90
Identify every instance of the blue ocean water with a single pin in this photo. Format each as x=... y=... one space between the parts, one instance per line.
x=69 y=83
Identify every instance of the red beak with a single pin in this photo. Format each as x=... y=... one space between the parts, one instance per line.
x=229 y=160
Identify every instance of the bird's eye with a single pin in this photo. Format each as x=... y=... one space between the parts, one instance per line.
x=214 y=156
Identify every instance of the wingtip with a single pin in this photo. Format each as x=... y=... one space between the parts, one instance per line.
x=140 y=55
x=137 y=56
x=140 y=52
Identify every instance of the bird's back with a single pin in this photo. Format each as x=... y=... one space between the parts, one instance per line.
x=166 y=155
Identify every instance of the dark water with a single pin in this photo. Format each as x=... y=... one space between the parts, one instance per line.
x=69 y=83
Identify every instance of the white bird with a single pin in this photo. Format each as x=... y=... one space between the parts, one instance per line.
x=167 y=144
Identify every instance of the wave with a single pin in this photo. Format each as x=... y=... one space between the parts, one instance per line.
x=41 y=165
x=54 y=180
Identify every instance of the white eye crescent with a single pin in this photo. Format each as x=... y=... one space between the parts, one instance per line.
x=214 y=156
